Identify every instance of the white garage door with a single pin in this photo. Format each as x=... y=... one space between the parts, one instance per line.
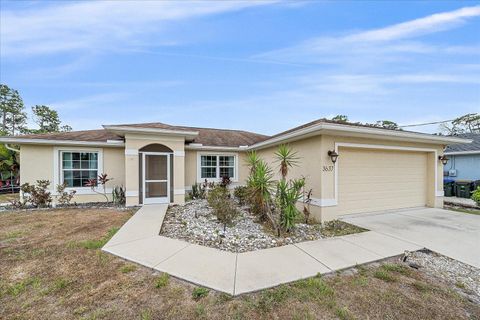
x=375 y=180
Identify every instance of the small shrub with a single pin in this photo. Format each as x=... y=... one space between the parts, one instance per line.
x=223 y=207
x=384 y=275
x=162 y=280
x=118 y=196
x=37 y=195
x=225 y=182
x=64 y=197
x=198 y=191
x=476 y=196
x=241 y=194
x=199 y=293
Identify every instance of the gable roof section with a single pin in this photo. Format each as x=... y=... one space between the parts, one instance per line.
x=330 y=127
x=473 y=147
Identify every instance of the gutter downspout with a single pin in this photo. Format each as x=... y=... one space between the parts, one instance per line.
x=11 y=149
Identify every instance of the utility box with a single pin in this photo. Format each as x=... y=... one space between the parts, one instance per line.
x=452 y=173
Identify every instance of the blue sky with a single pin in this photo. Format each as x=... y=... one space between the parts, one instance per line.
x=263 y=66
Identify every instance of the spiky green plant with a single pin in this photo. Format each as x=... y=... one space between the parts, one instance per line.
x=260 y=184
x=286 y=159
x=252 y=160
x=288 y=194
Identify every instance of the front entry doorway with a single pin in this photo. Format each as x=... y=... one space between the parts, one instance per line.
x=156 y=177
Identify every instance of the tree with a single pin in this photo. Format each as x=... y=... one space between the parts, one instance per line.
x=47 y=120
x=340 y=118
x=469 y=123
x=387 y=124
x=12 y=111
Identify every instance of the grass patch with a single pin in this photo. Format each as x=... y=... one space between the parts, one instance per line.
x=162 y=280
x=199 y=293
x=337 y=228
x=343 y=313
x=384 y=275
x=128 y=268
x=314 y=287
x=22 y=286
x=398 y=268
x=97 y=244
x=422 y=286
x=13 y=235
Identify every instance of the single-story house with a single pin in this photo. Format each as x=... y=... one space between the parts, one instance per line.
x=376 y=169
x=464 y=159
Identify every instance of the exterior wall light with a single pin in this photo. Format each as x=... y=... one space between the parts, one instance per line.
x=333 y=155
x=444 y=159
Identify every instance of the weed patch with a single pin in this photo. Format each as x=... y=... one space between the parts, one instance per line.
x=384 y=275
x=199 y=293
x=162 y=280
x=128 y=268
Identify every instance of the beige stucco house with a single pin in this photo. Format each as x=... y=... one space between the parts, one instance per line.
x=377 y=169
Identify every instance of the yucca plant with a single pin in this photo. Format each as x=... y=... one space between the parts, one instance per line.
x=288 y=194
x=286 y=158
x=260 y=185
x=252 y=160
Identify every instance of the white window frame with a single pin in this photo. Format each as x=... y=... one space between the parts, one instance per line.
x=58 y=169
x=217 y=154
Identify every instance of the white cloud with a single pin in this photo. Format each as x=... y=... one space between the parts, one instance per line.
x=386 y=44
x=98 y=25
x=433 y=23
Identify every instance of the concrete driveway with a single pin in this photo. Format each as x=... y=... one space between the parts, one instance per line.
x=453 y=234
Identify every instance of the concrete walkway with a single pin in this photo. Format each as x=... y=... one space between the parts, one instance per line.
x=139 y=241
x=453 y=234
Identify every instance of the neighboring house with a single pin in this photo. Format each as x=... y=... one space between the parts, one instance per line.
x=464 y=159
x=377 y=169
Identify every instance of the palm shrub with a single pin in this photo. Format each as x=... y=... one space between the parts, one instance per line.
x=286 y=159
x=260 y=184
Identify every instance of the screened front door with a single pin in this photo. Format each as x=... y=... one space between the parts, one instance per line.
x=156 y=176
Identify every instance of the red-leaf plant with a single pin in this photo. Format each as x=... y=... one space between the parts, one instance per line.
x=102 y=180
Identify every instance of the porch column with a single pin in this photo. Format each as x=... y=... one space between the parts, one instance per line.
x=131 y=176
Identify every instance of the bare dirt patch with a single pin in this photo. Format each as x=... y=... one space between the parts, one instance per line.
x=45 y=273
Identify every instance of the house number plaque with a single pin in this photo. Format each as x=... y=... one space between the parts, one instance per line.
x=328 y=168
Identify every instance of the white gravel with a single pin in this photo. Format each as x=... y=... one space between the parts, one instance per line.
x=195 y=223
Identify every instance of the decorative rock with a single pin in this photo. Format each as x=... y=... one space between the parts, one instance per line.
x=195 y=222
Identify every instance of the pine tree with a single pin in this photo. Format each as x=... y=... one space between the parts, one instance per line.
x=12 y=111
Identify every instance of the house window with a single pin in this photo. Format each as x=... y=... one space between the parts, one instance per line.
x=78 y=168
x=217 y=166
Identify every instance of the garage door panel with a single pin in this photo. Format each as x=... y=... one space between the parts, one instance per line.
x=375 y=180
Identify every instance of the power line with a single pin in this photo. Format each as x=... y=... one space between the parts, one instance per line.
x=425 y=124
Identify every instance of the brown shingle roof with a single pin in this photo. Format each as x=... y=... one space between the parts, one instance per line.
x=206 y=136
x=209 y=136
x=84 y=135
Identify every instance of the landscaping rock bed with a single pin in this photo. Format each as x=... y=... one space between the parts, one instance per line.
x=194 y=222
x=461 y=276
